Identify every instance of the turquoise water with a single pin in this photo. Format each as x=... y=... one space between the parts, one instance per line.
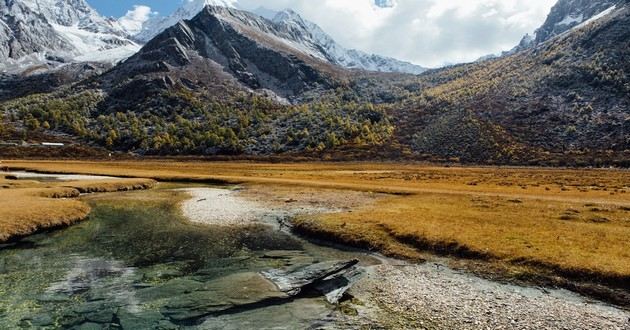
x=136 y=264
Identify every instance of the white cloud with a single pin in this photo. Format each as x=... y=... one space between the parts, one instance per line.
x=133 y=20
x=426 y=32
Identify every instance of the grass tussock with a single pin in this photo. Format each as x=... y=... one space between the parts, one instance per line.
x=27 y=207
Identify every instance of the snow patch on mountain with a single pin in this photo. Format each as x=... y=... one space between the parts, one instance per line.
x=95 y=46
x=565 y=16
x=48 y=33
x=571 y=19
x=597 y=17
x=190 y=9
x=299 y=34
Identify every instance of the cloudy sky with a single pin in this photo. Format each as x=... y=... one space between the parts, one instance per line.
x=426 y=32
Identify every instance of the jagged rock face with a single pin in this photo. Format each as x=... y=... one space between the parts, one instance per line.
x=320 y=44
x=243 y=46
x=45 y=33
x=564 y=16
x=190 y=9
x=567 y=14
x=23 y=32
x=307 y=36
x=73 y=12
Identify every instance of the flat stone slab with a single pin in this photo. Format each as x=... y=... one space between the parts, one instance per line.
x=252 y=290
x=293 y=281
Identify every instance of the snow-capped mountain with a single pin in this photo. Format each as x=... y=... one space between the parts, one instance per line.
x=45 y=33
x=566 y=15
x=190 y=9
x=303 y=34
x=318 y=42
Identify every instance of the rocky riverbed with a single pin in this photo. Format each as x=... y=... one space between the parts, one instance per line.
x=433 y=296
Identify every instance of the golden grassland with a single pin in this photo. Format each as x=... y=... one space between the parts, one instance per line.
x=573 y=222
x=29 y=206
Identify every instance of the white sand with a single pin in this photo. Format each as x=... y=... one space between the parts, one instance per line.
x=221 y=207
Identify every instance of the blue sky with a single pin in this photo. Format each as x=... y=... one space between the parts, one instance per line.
x=118 y=8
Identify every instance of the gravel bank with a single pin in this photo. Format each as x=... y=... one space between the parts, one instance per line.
x=433 y=296
x=220 y=207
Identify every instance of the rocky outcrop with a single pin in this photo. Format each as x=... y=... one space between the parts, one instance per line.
x=24 y=32
x=565 y=15
x=44 y=34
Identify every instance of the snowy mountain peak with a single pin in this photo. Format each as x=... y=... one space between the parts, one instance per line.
x=314 y=37
x=567 y=14
x=195 y=6
x=73 y=13
x=46 y=33
x=564 y=16
x=287 y=15
x=190 y=9
x=290 y=28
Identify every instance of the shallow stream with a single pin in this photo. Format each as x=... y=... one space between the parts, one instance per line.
x=136 y=263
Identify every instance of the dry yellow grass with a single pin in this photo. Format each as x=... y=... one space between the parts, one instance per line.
x=25 y=211
x=568 y=238
x=29 y=206
x=569 y=221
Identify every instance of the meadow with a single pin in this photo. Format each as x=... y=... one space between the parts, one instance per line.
x=566 y=223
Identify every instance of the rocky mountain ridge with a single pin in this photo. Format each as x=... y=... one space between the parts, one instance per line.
x=566 y=15
x=42 y=34
x=304 y=34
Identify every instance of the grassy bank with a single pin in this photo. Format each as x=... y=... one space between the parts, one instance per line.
x=27 y=207
x=571 y=239
x=563 y=222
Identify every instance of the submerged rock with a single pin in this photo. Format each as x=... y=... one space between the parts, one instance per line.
x=293 y=281
x=244 y=291
x=222 y=294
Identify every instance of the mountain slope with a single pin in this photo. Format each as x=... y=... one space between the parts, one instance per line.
x=228 y=46
x=566 y=15
x=187 y=11
x=305 y=34
x=48 y=32
x=230 y=82
x=314 y=38
x=567 y=97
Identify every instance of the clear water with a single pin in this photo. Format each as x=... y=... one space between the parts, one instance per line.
x=136 y=263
